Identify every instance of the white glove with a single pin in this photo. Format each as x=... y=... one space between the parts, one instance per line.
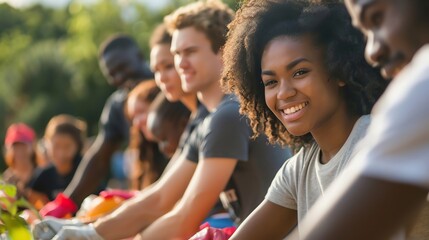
x=46 y=229
x=86 y=232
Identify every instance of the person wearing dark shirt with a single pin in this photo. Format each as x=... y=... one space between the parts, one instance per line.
x=64 y=139
x=123 y=65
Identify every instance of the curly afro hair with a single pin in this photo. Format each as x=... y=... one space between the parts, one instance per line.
x=258 y=22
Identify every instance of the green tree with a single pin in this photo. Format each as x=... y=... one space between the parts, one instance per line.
x=49 y=57
x=38 y=86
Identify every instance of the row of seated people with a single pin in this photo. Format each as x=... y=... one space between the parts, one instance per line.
x=43 y=169
x=288 y=67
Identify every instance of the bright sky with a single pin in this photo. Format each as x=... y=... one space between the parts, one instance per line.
x=23 y=3
x=59 y=3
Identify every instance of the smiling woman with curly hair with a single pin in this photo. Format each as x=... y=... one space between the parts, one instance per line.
x=257 y=22
x=299 y=71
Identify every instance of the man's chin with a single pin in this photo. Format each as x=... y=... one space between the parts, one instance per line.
x=390 y=69
x=386 y=75
x=172 y=98
x=188 y=89
x=391 y=73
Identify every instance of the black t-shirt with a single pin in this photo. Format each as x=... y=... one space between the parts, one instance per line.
x=113 y=123
x=49 y=182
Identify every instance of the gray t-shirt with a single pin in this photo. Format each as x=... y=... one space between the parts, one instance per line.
x=225 y=133
x=199 y=116
x=303 y=179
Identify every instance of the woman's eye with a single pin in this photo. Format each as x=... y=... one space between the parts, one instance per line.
x=269 y=83
x=169 y=66
x=300 y=72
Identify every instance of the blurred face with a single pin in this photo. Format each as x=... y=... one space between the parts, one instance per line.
x=122 y=67
x=297 y=86
x=198 y=66
x=394 y=30
x=166 y=77
x=167 y=135
x=138 y=111
x=22 y=153
x=62 y=149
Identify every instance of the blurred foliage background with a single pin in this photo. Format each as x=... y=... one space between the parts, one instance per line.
x=48 y=57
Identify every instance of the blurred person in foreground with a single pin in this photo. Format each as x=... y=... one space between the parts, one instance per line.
x=387 y=184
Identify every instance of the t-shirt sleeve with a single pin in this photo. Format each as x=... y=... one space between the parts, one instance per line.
x=193 y=123
x=112 y=122
x=283 y=188
x=226 y=134
x=190 y=149
x=396 y=147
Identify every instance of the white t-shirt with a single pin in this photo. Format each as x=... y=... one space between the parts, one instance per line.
x=303 y=179
x=397 y=144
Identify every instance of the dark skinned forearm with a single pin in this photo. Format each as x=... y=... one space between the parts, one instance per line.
x=365 y=208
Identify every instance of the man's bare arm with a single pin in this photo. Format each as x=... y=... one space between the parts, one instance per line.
x=209 y=180
x=138 y=213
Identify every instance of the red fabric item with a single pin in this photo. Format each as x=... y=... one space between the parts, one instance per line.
x=19 y=132
x=61 y=207
x=125 y=194
x=209 y=233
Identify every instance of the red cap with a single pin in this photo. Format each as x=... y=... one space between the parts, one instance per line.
x=19 y=132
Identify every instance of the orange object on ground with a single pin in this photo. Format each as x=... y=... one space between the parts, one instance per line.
x=101 y=206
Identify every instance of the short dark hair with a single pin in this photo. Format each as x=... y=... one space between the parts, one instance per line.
x=329 y=25
x=117 y=42
x=160 y=36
